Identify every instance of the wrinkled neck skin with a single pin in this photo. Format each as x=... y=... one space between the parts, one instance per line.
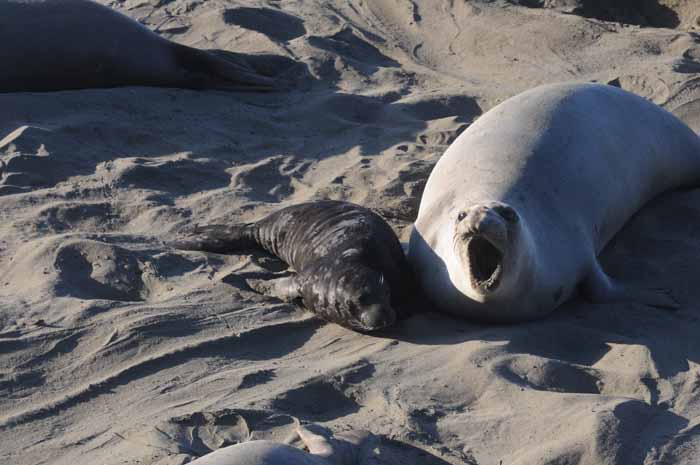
x=501 y=288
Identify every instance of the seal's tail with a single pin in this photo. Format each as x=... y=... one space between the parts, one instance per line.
x=218 y=238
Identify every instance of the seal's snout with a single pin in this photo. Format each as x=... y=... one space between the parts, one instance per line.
x=483 y=233
x=377 y=316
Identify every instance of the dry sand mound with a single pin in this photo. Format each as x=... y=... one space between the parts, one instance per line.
x=115 y=349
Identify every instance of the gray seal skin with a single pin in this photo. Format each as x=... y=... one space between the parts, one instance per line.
x=350 y=448
x=50 y=45
x=516 y=211
x=351 y=269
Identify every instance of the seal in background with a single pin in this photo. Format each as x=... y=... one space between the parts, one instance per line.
x=77 y=44
x=350 y=266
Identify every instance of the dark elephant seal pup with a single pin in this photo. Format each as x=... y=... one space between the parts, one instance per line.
x=515 y=212
x=75 y=44
x=350 y=266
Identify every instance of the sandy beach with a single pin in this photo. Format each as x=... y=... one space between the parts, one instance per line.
x=117 y=349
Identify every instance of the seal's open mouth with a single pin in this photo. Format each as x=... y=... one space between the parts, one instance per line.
x=485 y=263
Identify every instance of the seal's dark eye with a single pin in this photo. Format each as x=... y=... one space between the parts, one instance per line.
x=461 y=216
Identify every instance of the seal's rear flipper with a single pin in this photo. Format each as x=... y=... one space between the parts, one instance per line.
x=218 y=238
x=349 y=448
x=598 y=287
x=208 y=70
x=235 y=74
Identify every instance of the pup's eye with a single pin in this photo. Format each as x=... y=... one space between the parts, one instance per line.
x=461 y=216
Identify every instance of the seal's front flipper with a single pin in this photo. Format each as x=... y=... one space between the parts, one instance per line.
x=286 y=289
x=598 y=287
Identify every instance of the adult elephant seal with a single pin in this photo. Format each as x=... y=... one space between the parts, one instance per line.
x=350 y=448
x=350 y=266
x=516 y=210
x=75 y=44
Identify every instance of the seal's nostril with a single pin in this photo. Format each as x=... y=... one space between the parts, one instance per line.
x=461 y=216
x=508 y=213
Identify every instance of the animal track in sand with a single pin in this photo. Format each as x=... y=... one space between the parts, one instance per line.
x=355 y=374
x=348 y=44
x=649 y=87
x=176 y=175
x=84 y=216
x=647 y=428
x=685 y=103
x=353 y=108
x=269 y=180
x=400 y=197
x=199 y=433
x=94 y=270
x=581 y=348
x=256 y=378
x=329 y=397
x=186 y=437
x=28 y=139
x=33 y=157
x=550 y=375
x=432 y=107
x=440 y=138
x=395 y=451
x=320 y=400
